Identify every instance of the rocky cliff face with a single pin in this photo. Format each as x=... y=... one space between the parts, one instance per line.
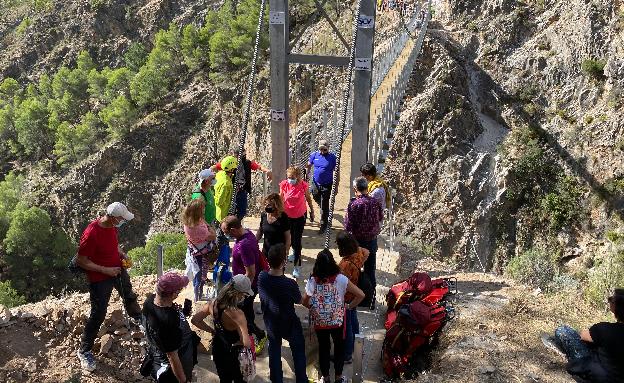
x=491 y=68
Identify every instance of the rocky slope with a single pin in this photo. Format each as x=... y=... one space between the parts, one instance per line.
x=491 y=68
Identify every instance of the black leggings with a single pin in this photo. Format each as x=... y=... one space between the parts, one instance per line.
x=296 y=232
x=226 y=361
x=324 y=348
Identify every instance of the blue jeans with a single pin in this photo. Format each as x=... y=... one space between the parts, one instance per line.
x=571 y=343
x=241 y=203
x=353 y=327
x=371 y=261
x=297 y=348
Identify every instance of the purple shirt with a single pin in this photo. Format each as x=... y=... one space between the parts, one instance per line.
x=363 y=218
x=245 y=253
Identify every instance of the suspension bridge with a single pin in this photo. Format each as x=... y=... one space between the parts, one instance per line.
x=364 y=122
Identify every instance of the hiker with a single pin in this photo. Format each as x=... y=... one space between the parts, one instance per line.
x=274 y=224
x=324 y=164
x=101 y=257
x=224 y=187
x=202 y=246
x=363 y=220
x=377 y=188
x=246 y=260
x=204 y=190
x=278 y=296
x=353 y=258
x=595 y=355
x=294 y=192
x=172 y=343
x=230 y=327
x=325 y=297
x=242 y=181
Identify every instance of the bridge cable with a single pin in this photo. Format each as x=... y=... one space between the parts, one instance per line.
x=343 y=124
x=248 y=100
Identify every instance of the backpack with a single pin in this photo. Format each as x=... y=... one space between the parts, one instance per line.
x=417 y=311
x=326 y=309
x=365 y=284
x=73 y=267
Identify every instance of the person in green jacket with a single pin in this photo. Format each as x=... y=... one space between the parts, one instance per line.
x=204 y=189
x=224 y=187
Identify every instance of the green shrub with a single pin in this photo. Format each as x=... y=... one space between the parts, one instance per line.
x=534 y=267
x=602 y=279
x=36 y=255
x=9 y=297
x=119 y=116
x=144 y=258
x=75 y=142
x=10 y=194
x=594 y=68
x=561 y=207
x=21 y=28
x=135 y=57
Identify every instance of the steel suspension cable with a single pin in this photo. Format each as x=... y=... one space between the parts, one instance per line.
x=248 y=100
x=343 y=124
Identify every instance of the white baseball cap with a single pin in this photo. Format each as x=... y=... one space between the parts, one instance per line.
x=242 y=284
x=118 y=209
x=205 y=174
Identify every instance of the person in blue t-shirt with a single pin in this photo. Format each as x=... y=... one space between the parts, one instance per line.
x=324 y=164
x=278 y=296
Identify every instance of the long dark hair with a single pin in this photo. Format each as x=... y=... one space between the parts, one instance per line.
x=346 y=243
x=325 y=266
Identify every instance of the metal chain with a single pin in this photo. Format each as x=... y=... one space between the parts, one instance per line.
x=248 y=100
x=343 y=123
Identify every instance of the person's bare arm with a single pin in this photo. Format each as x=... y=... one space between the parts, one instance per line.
x=305 y=301
x=200 y=316
x=308 y=197
x=176 y=366
x=88 y=265
x=238 y=317
x=212 y=234
x=250 y=272
x=586 y=336
x=259 y=233
x=358 y=295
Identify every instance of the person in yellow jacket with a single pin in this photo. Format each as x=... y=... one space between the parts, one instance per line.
x=377 y=188
x=224 y=187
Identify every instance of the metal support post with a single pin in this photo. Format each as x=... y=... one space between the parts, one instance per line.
x=279 y=36
x=362 y=86
x=358 y=355
x=159 y=259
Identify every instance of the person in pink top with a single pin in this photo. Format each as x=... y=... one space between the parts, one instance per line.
x=202 y=245
x=295 y=193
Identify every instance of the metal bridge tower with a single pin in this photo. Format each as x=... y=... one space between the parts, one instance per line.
x=282 y=57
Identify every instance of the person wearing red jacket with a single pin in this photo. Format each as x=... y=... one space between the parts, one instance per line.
x=102 y=259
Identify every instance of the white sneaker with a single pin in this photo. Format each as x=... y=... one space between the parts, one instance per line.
x=87 y=361
x=296 y=272
x=291 y=257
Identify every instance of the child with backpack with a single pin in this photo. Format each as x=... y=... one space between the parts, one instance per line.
x=325 y=297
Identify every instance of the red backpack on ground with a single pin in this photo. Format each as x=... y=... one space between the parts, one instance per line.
x=416 y=312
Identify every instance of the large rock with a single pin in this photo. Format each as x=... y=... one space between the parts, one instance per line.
x=5 y=315
x=106 y=342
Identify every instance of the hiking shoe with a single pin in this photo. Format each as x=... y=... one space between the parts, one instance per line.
x=260 y=345
x=342 y=379
x=87 y=361
x=291 y=257
x=296 y=273
x=551 y=343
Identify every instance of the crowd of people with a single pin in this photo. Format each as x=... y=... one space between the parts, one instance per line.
x=258 y=261
x=332 y=293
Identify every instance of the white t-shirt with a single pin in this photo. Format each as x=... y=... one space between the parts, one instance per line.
x=341 y=285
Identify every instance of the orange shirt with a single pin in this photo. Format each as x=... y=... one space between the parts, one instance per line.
x=351 y=265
